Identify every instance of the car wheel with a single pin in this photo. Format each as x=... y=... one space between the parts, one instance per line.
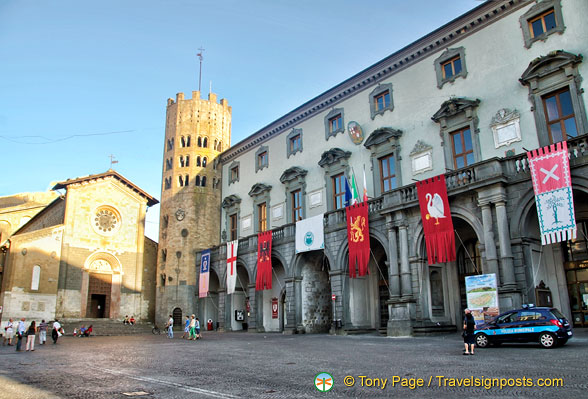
x=482 y=340
x=547 y=340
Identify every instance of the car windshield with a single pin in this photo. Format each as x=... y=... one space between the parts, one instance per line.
x=557 y=314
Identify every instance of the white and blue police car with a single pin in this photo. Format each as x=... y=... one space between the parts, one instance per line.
x=530 y=324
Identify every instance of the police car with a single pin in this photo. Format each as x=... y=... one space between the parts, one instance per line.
x=530 y=324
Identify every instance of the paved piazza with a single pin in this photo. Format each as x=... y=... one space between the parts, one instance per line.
x=229 y=365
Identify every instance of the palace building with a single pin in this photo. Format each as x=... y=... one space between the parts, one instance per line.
x=83 y=255
x=467 y=100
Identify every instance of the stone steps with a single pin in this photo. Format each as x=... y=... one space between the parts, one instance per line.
x=106 y=327
x=433 y=329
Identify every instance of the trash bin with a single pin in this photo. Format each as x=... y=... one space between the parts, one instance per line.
x=209 y=325
x=245 y=326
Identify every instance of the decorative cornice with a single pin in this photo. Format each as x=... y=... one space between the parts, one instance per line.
x=453 y=107
x=419 y=147
x=332 y=156
x=258 y=189
x=292 y=173
x=230 y=201
x=382 y=135
x=441 y=38
x=547 y=64
x=504 y=115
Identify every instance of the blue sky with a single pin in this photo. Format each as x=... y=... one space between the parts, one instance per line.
x=82 y=80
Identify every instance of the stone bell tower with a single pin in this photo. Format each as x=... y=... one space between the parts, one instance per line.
x=196 y=132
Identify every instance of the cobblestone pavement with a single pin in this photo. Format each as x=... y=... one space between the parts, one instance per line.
x=228 y=365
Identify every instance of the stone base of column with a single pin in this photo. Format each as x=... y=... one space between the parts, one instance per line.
x=509 y=297
x=289 y=331
x=221 y=329
x=399 y=322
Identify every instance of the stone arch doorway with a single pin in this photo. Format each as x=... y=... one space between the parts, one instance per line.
x=367 y=295
x=443 y=293
x=101 y=284
x=177 y=316
x=237 y=307
x=209 y=305
x=271 y=321
x=315 y=298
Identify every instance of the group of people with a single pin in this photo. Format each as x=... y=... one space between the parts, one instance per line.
x=129 y=321
x=84 y=331
x=19 y=331
x=191 y=328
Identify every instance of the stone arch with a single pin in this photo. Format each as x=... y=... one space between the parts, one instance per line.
x=101 y=270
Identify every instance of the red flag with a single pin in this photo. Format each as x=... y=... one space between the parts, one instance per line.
x=264 y=261
x=437 y=223
x=358 y=236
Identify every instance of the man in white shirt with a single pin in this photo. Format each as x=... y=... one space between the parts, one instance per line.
x=170 y=326
x=20 y=330
x=9 y=332
x=56 y=331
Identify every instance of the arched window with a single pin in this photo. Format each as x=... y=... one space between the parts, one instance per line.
x=205 y=143
x=203 y=181
x=186 y=180
x=187 y=160
x=181 y=161
x=182 y=142
x=188 y=139
x=215 y=144
x=197 y=180
x=220 y=146
x=199 y=142
x=204 y=162
x=198 y=161
x=36 y=278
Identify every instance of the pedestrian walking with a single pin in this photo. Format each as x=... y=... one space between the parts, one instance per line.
x=469 y=338
x=193 y=328
x=31 y=334
x=186 y=327
x=9 y=333
x=170 y=327
x=20 y=332
x=56 y=332
x=197 y=328
x=42 y=332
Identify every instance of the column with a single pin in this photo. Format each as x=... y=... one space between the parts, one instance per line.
x=506 y=258
x=298 y=302
x=489 y=244
x=393 y=272
x=222 y=317
x=252 y=316
x=405 y=275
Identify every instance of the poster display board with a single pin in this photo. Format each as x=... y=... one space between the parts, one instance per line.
x=482 y=297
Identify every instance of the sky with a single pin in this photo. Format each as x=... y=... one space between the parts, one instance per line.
x=83 y=80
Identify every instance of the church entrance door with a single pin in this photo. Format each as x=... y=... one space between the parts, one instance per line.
x=99 y=288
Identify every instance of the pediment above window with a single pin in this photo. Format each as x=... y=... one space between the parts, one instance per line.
x=259 y=189
x=548 y=64
x=453 y=107
x=333 y=156
x=230 y=201
x=292 y=173
x=382 y=135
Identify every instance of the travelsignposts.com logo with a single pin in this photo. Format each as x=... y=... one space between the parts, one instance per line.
x=323 y=382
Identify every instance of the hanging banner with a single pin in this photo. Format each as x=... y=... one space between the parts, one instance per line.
x=232 y=265
x=436 y=217
x=482 y=297
x=310 y=234
x=552 y=183
x=274 y=308
x=358 y=236
x=264 y=261
x=204 y=274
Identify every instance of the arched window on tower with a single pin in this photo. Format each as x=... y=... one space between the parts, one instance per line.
x=204 y=162
x=187 y=160
x=180 y=181
x=220 y=146
x=186 y=180
x=182 y=163
x=199 y=141
x=205 y=142
x=215 y=145
x=203 y=181
x=188 y=141
x=198 y=161
x=197 y=180
x=182 y=142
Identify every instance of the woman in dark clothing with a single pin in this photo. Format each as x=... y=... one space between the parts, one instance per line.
x=469 y=338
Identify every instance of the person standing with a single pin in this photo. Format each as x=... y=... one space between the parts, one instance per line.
x=186 y=328
x=55 y=332
x=42 y=332
x=170 y=327
x=193 y=328
x=469 y=338
x=31 y=334
x=197 y=328
x=9 y=333
x=20 y=331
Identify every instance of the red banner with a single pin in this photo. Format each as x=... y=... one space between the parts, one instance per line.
x=264 y=261
x=358 y=236
x=437 y=223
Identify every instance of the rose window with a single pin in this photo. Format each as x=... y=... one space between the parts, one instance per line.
x=105 y=220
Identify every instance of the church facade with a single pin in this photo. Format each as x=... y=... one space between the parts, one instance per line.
x=84 y=255
x=467 y=101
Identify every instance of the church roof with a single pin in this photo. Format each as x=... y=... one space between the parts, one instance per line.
x=109 y=173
